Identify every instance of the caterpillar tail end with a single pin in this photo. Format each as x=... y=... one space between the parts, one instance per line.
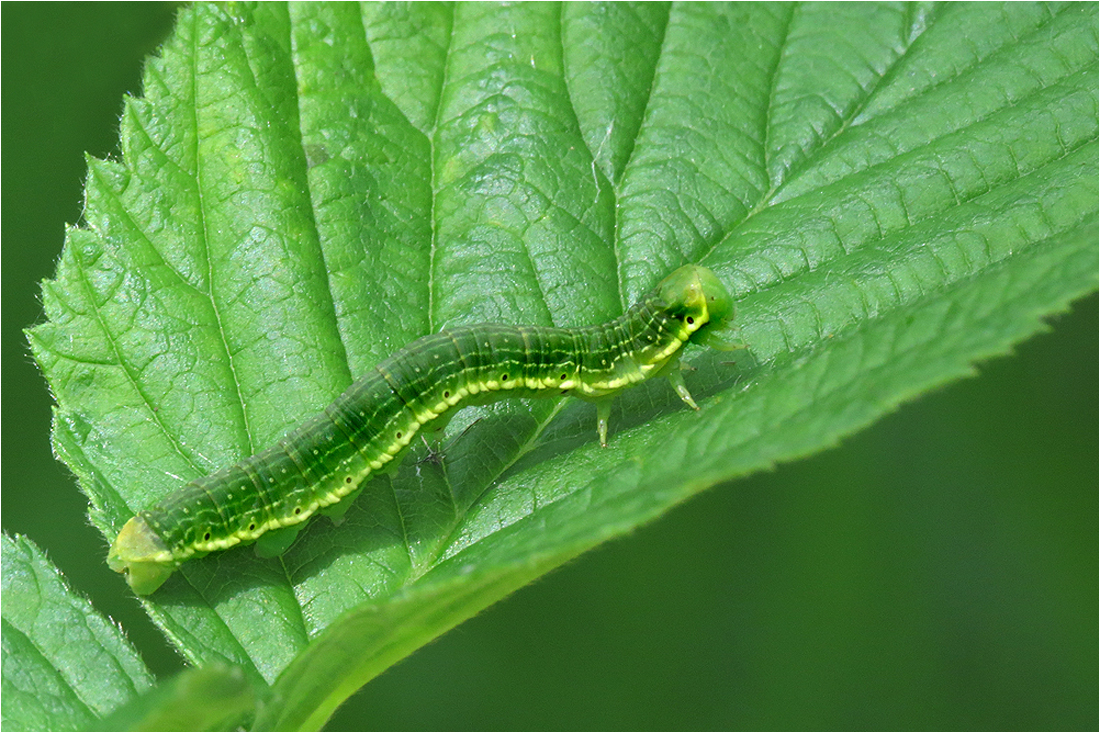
x=138 y=554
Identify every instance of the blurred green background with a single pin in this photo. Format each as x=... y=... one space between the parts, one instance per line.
x=936 y=571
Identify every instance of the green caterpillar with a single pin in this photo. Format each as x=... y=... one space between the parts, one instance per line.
x=265 y=498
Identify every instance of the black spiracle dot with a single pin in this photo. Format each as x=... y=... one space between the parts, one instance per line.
x=399 y=436
x=564 y=377
x=347 y=480
x=297 y=510
x=446 y=393
x=690 y=320
x=251 y=526
x=206 y=537
x=504 y=377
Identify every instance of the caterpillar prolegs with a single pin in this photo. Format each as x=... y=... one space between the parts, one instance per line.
x=266 y=497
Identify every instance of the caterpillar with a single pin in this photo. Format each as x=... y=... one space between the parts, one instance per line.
x=322 y=464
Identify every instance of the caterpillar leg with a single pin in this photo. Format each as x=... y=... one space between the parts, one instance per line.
x=603 y=413
x=336 y=512
x=389 y=470
x=277 y=541
x=676 y=377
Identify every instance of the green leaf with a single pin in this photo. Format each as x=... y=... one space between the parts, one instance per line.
x=65 y=666
x=892 y=193
x=214 y=697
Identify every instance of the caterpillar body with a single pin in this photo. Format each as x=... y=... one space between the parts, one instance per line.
x=321 y=464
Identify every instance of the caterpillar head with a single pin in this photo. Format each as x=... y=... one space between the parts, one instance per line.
x=699 y=297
